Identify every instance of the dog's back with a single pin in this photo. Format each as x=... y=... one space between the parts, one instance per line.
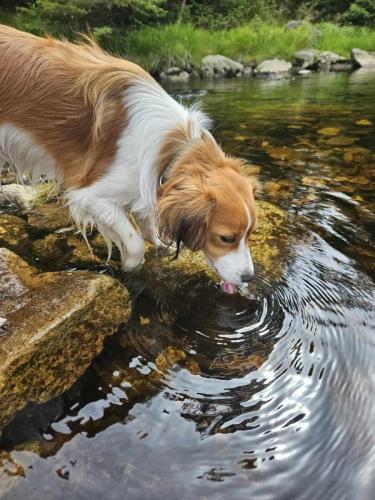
x=62 y=95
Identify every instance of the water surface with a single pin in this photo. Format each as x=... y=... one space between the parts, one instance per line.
x=264 y=396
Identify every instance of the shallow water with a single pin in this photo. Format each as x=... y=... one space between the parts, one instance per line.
x=267 y=395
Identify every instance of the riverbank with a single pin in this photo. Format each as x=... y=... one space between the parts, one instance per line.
x=157 y=48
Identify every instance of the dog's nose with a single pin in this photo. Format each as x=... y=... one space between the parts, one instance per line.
x=245 y=278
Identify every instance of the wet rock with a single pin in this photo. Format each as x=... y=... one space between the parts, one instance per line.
x=13 y=233
x=273 y=68
x=329 y=131
x=69 y=247
x=356 y=155
x=340 y=140
x=218 y=66
x=363 y=59
x=282 y=154
x=56 y=324
x=175 y=74
x=23 y=197
x=363 y=122
x=48 y=218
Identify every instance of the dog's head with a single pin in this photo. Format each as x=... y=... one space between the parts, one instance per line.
x=207 y=203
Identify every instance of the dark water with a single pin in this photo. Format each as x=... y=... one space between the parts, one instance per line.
x=212 y=396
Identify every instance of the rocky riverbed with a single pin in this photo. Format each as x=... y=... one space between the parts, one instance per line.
x=59 y=301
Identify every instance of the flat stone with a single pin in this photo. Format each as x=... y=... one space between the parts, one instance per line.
x=217 y=66
x=363 y=59
x=56 y=324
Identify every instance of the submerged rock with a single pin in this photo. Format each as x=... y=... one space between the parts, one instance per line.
x=220 y=67
x=363 y=59
x=56 y=324
x=13 y=233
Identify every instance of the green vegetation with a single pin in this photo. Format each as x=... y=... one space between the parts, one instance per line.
x=180 y=43
x=158 y=33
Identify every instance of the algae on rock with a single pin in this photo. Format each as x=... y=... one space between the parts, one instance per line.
x=56 y=324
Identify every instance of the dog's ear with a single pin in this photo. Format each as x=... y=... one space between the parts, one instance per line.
x=185 y=206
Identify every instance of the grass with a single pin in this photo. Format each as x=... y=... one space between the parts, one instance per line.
x=157 y=47
x=177 y=44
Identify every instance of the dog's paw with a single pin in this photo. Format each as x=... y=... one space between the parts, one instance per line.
x=132 y=264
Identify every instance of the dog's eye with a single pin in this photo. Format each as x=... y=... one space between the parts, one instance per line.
x=227 y=239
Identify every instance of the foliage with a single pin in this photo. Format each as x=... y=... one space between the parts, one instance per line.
x=361 y=12
x=67 y=16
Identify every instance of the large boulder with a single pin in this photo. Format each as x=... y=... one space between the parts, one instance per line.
x=220 y=67
x=273 y=68
x=53 y=325
x=363 y=59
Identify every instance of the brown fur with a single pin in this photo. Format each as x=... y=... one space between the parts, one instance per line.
x=204 y=197
x=67 y=97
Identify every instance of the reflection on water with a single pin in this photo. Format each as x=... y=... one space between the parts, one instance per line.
x=267 y=395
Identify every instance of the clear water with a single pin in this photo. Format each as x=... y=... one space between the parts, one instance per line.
x=265 y=396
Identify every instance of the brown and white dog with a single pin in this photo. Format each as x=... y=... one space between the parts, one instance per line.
x=118 y=144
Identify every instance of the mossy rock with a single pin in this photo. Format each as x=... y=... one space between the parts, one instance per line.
x=13 y=233
x=56 y=324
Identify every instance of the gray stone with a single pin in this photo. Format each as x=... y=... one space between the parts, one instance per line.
x=363 y=59
x=313 y=59
x=306 y=59
x=292 y=25
x=333 y=62
x=175 y=74
x=273 y=68
x=220 y=67
x=248 y=71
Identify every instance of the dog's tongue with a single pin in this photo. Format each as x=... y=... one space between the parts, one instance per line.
x=228 y=287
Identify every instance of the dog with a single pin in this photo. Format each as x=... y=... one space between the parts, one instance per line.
x=117 y=143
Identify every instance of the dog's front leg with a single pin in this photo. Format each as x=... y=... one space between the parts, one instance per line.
x=149 y=232
x=110 y=219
